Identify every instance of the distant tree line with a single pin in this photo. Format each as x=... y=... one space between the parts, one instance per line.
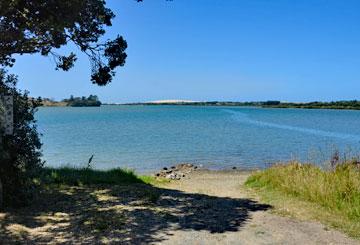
x=350 y=104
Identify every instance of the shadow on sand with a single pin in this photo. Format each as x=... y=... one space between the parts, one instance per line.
x=121 y=214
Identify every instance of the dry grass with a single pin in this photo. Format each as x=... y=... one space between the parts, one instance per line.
x=332 y=196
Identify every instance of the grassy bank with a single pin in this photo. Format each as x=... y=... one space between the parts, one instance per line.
x=63 y=178
x=86 y=176
x=330 y=196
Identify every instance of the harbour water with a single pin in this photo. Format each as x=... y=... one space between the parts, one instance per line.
x=146 y=138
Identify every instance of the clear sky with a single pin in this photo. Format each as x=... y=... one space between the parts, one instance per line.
x=235 y=50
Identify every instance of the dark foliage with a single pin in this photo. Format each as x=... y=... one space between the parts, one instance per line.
x=42 y=26
x=350 y=105
x=92 y=100
x=19 y=153
x=271 y=103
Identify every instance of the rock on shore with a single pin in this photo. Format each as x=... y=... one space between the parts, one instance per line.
x=176 y=172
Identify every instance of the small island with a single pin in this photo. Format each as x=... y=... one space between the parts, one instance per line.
x=91 y=101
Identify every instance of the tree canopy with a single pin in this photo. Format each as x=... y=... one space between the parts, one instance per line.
x=44 y=26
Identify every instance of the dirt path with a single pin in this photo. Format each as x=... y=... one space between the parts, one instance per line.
x=260 y=227
x=204 y=208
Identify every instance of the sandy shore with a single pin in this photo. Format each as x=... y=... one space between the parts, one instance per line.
x=260 y=226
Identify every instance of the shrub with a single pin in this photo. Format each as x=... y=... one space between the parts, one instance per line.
x=20 y=152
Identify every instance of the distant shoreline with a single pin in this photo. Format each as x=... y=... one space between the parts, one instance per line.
x=336 y=105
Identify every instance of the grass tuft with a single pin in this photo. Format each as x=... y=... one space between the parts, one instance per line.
x=336 y=191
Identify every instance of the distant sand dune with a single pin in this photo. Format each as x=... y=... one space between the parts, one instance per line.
x=171 y=101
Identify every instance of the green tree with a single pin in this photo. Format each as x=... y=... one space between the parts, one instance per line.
x=93 y=97
x=44 y=26
x=20 y=152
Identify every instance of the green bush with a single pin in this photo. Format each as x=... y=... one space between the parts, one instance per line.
x=20 y=153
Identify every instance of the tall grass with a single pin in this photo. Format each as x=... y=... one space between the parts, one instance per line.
x=337 y=190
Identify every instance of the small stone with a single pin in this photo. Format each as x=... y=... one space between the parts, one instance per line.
x=165 y=168
x=171 y=176
x=233 y=167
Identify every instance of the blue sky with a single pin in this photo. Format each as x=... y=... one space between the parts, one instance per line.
x=237 y=50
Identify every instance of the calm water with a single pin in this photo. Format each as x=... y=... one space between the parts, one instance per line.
x=146 y=138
